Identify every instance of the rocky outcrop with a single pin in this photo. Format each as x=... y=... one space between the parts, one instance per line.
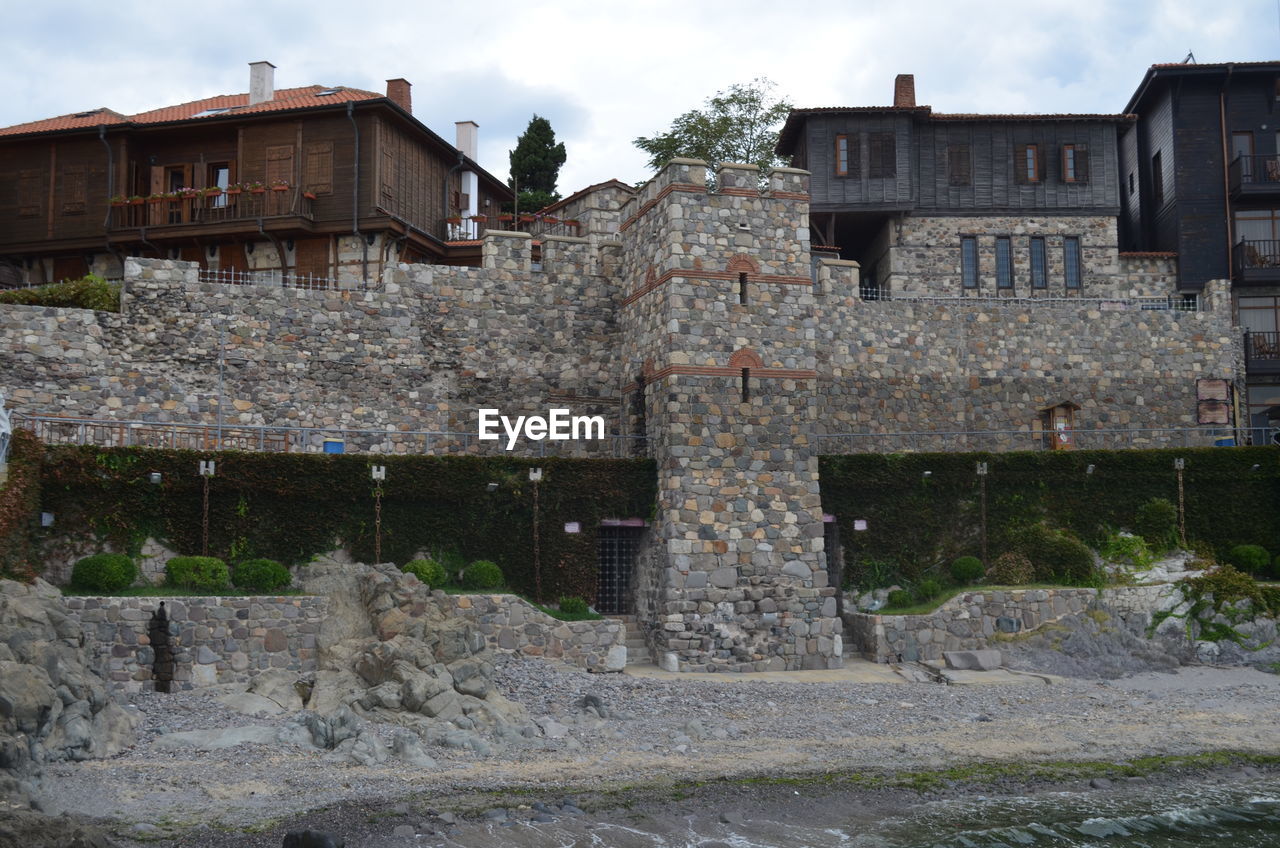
x=52 y=705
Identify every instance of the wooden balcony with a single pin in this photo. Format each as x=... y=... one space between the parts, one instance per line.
x=1255 y=176
x=1256 y=262
x=1262 y=353
x=223 y=212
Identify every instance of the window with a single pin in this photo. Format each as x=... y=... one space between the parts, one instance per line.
x=969 y=262
x=882 y=155
x=959 y=165
x=746 y=385
x=1075 y=163
x=29 y=193
x=1132 y=184
x=219 y=175
x=1026 y=164
x=1004 y=263
x=1071 y=263
x=317 y=165
x=1157 y=180
x=73 y=190
x=1039 y=267
x=742 y=288
x=842 y=156
x=280 y=164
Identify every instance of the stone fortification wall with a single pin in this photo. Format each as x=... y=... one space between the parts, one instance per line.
x=921 y=255
x=510 y=623
x=423 y=351
x=969 y=621
x=718 y=282
x=894 y=366
x=214 y=639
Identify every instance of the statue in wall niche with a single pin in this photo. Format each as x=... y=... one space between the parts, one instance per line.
x=162 y=666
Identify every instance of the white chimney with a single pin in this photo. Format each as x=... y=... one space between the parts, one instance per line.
x=468 y=138
x=262 y=82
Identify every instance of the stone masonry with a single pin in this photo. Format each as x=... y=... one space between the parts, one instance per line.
x=510 y=623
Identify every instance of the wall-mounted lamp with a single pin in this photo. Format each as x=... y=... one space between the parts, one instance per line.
x=248 y=248
x=927 y=474
x=207 y=467
x=288 y=245
x=378 y=472
x=1256 y=467
x=46 y=519
x=155 y=477
x=1179 y=464
x=982 y=469
x=535 y=475
x=491 y=487
x=370 y=239
x=151 y=160
x=213 y=251
x=1089 y=468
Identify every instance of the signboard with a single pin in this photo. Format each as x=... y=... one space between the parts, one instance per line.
x=1213 y=402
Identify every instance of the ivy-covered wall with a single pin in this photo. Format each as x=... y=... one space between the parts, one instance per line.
x=20 y=507
x=916 y=521
x=292 y=506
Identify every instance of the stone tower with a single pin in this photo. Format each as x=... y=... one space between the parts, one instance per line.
x=718 y=332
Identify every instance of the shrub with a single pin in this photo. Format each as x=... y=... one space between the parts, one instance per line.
x=454 y=564
x=1251 y=559
x=1275 y=568
x=899 y=598
x=1055 y=556
x=482 y=574
x=966 y=570
x=1157 y=522
x=1133 y=550
x=928 y=589
x=1011 y=569
x=199 y=573
x=573 y=606
x=427 y=570
x=104 y=573
x=88 y=292
x=261 y=575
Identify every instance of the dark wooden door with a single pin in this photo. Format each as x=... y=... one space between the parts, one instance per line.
x=311 y=259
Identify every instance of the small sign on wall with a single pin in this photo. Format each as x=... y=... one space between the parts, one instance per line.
x=1213 y=402
x=572 y=527
x=859 y=524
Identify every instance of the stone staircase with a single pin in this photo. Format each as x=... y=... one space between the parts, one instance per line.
x=637 y=651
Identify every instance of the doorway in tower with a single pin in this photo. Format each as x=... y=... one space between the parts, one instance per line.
x=618 y=545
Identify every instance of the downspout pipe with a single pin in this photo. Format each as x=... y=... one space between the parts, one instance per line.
x=111 y=186
x=355 y=198
x=1226 y=164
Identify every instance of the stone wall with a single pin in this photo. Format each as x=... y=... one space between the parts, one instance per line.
x=904 y=366
x=215 y=639
x=510 y=623
x=966 y=622
x=923 y=256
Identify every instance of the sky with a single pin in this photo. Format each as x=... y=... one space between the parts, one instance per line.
x=606 y=72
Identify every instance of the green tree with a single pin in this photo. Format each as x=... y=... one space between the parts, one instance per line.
x=535 y=165
x=738 y=125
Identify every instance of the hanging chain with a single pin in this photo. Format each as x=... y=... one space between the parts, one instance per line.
x=377 y=525
x=1182 y=511
x=204 y=521
x=537 y=558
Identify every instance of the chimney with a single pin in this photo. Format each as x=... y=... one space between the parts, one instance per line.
x=468 y=138
x=904 y=90
x=398 y=92
x=262 y=82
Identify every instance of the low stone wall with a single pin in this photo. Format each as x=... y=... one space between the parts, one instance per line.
x=966 y=622
x=1134 y=606
x=510 y=623
x=214 y=639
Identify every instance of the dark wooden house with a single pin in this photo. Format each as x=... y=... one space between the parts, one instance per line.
x=323 y=182
x=1200 y=175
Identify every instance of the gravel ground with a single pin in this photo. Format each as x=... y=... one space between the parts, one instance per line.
x=654 y=731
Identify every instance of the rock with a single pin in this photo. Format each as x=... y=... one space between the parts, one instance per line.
x=592 y=701
x=1099 y=783
x=250 y=704
x=735 y=819
x=311 y=839
x=31 y=829
x=217 y=738
x=365 y=749
x=408 y=747
x=279 y=686
x=615 y=659
x=986 y=660
x=497 y=814
x=551 y=728
x=404 y=831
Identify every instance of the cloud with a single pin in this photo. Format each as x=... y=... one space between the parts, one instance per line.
x=604 y=73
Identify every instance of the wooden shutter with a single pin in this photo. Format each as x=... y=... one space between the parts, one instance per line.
x=881 y=154
x=318 y=167
x=231 y=258
x=29 y=183
x=1024 y=154
x=388 y=175
x=959 y=168
x=73 y=191
x=311 y=258
x=69 y=268
x=1082 y=163
x=280 y=163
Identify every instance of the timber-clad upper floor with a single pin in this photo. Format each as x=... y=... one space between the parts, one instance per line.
x=908 y=158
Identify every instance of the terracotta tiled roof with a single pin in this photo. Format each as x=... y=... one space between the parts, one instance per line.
x=226 y=104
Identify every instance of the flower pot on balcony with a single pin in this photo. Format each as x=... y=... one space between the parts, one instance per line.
x=279 y=188
x=453 y=219
x=232 y=191
x=506 y=219
x=119 y=203
x=480 y=219
x=259 y=191
x=137 y=201
x=309 y=195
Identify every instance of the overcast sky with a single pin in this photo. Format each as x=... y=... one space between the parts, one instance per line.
x=605 y=72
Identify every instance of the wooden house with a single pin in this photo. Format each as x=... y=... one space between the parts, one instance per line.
x=314 y=183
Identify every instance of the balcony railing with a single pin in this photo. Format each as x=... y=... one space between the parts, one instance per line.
x=1256 y=259
x=212 y=209
x=1254 y=174
x=466 y=228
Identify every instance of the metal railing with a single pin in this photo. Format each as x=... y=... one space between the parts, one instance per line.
x=1253 y=254
x=1256 y=170
x=1260 y=345
x=1161 y=303
x=1000 y=441
x=278 y=439
x=212 y=209
x=464 y=228
x=277 y=279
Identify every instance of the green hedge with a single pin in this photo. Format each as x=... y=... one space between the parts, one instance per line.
x=918 y=522
x=20 y=507
x=88 y=292
x=289 y=507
